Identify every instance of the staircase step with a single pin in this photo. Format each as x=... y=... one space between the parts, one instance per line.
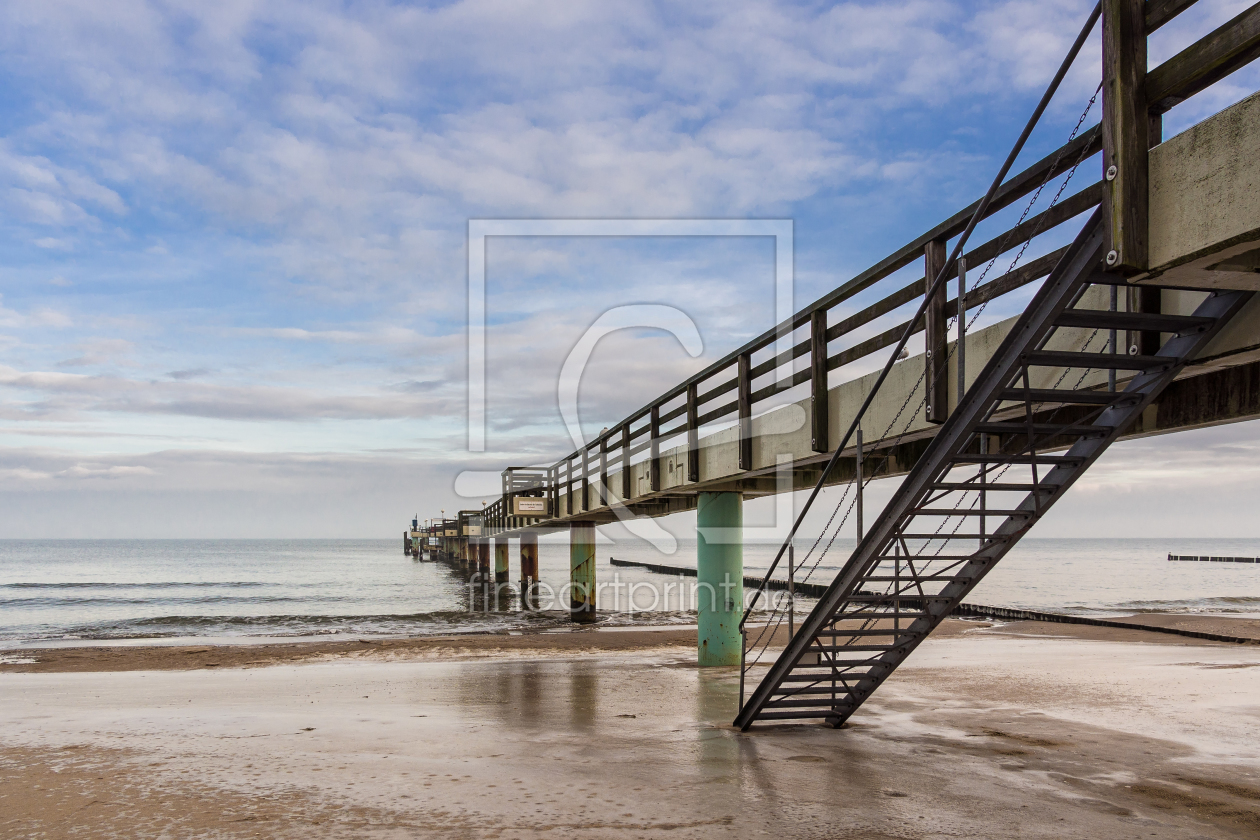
x=1102 y=319
x=853 y=648
x=968 y=458
x=1067 y=397
x=862 y=599
x=819 y=695
x=1019 y=427
x=996 y=487
x=886 y=557
x=970 y=512
x=938 y=537
x=1101 y=361
x=828 y=667
x=798 y=715
x=866 y=632
x=805 y=702
x=909 y=578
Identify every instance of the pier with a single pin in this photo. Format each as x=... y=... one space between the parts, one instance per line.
x=1145 y=323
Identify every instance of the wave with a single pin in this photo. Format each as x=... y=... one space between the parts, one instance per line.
x=147 y=585
x=1222 y=604
x=221 y=600
x=384 y=624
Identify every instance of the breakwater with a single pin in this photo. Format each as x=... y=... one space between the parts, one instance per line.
x=965 y=610
x=1205 y=559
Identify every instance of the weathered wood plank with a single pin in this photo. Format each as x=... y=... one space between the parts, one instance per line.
x=1212 y=58
x=626 y=489
x=818 y=379
x=693 y=433
x=745 y=411
x=936 y=341
x=1126 y=130
x=654 y=468
x=1159 y=12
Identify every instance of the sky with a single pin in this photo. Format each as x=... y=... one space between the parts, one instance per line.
x=234 y=240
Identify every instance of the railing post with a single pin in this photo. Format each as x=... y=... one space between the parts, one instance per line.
x=1126 y=135
x=586 y=484
x=693 y=433
x=553 y=490
x=818 y=378
x=791 y=592
x=603 y=470
x=1145 y=299
x=626 y=489
x=654 y=465
x=1113 y=303
x=568 y=487
x=744 y=373
x=961 y=349
x=936 y=339
x=859 y=483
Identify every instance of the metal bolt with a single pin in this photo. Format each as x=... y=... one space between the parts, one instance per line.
x=1112 y=172
x=1113 y=257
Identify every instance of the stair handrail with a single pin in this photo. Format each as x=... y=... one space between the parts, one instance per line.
x=1066 y=64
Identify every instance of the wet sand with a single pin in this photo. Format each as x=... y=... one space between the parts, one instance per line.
x=575 y=642
x=1020 y=730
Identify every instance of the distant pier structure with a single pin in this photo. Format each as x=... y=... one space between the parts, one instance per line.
x=1205 y=559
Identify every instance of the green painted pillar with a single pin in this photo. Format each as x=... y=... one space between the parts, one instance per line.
x=500 y=559
x=720 y=577
x=582 y=572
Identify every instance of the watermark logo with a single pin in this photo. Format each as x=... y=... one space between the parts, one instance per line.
x=476 y=484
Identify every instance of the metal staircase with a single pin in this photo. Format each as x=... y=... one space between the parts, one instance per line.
x=985 y=480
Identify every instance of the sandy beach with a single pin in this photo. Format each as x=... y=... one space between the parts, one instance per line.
x=1015 y=730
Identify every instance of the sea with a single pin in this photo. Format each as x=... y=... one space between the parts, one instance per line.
x=75 y=592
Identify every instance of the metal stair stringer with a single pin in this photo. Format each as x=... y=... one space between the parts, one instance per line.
x=831 y=666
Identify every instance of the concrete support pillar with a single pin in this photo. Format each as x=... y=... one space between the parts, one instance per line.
x=500 y=559
x=529 y=570
x=582 y=572
x=720 y=577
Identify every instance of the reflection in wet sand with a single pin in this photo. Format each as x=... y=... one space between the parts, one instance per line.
x=990 y=737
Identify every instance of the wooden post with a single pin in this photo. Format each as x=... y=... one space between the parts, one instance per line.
x=1143 y=298
x=744 y=374
x=654 y=465
x=960 y=349
x=603 y=470
x=568 y=495
x=1126 y=135
x=858 y=481
x=554 y=490
x=818 y=379
x=693 y=433
x=586 y=484
x=936 y=340
x=626 y=489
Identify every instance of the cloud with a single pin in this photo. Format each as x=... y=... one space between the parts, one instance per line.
x=263 y=207
x=67 y=394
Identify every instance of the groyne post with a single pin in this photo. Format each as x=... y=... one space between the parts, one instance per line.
x=720 y=573
x=582 y=572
